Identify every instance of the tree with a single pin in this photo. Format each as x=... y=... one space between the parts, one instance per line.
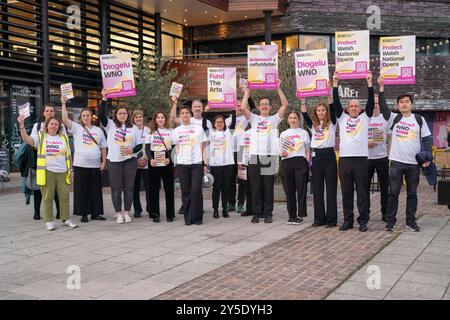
x=153 y=77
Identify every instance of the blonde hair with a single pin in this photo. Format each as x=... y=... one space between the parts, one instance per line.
x=135 y=113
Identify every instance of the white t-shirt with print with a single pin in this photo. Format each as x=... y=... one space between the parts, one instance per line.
x=239 y=129
x=120 y=137
x=323 y=138
x=87 y=152
x=354 y=135
x=199 y=122
x=264 y=135
x=221 y=148
x=378 y=133
x=294 y=141
x=144 y=136
x=55 y=152
x=190 y=139
x=157 y=141
x=406 y=139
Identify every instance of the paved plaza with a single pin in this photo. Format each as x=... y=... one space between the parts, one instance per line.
x=223 y=258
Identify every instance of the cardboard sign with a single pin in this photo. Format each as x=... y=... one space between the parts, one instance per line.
x=312 y=76
x=175 y=89
x=352 y=54
x=398 y=60
x=117 y=74
x=262 y=64
x=222 y=88
x=24 y=110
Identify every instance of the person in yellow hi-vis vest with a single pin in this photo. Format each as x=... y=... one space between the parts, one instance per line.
x=54 y=168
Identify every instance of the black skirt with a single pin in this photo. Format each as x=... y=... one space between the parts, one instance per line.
x=87 y=189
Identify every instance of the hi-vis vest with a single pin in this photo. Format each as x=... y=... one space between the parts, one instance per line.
x=41 y=165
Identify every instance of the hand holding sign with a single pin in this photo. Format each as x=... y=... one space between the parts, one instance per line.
x=175 y=89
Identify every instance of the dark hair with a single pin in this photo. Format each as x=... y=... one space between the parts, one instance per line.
x=128 y=123
x=267 y=98
x=49 y=105
x=48 y=121
x=405 y=96
x=185 y=107
x=219 y=116
x=295 y=112
x=154 y=125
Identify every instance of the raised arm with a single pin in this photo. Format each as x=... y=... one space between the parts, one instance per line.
x=284 y=102
x=244 y=104
x=233 y=121
x=370 y=96
x=305 y=113
x=102 y=109
x=382 y=100
x=65 y=116
x=25 y=137
x=173 y=113
x=332 y=109
x=338 y=110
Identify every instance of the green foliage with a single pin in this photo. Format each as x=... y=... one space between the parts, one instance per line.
x=153 y=78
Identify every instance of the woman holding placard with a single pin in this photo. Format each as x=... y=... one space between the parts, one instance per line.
x=324 y=165
x=190 y=141
x=161 y=166
x=142 y=163
x=123 y=139
x=295 y=155
x=221 y=160
x=89 y=161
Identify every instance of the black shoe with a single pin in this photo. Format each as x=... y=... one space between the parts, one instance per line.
x=198 y=222
x=390 y=227
x=315 y=225
x=298 y=221
x=170 y=219
x=84 y=219
x=98 y=218
x=231 y=207
x=346 y=226
x=246 y=214
x=156 y=219
x=216 y=215
x=137 y=215
x=413 y=226
x=225 y=214
x=255 y=219
x=187 y=223
x=37 y=217
x=268 y=219
x=180 y=211
x=57 y=216
x=363 y=228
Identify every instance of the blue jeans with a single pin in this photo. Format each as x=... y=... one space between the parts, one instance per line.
x=412 y=177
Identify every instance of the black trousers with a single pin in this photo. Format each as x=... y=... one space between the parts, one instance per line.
x=324 y=169
x=381 y=166
x=156 y=174
x=241 y=185
x=295 y=184
x=191 y=192
x=248 y=194
x=87 y=192
x=141 y=174
x=354 y=171
x=411 y=173
x=261 y=171
x=37 y=195
x=221 y=185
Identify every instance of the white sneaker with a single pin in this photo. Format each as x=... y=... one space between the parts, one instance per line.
x=119 y=218
x=69 y=223
x=50 y=226
x=127 y=217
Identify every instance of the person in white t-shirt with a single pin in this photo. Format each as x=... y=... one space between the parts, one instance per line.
x=353 y=153
x=409 y=136
x=221 y=161
x=295 y=157
x=161 y=166
x=264 y=153
x=48 y=113
x=190 y=141
x=54 y=168
x=242 y=161
x=88 y=164
x=324 y=165
x=378 y=149
x=123 y=140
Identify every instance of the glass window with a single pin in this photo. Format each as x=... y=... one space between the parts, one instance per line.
x=313 y=42
x=291 y=43
x=432 y=47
